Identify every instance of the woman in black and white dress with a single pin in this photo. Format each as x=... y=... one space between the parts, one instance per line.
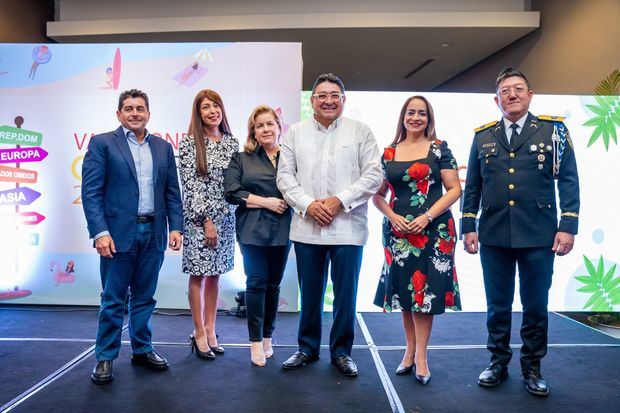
x=209 y=221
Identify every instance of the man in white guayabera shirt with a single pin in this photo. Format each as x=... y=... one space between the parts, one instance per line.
x=329 y=168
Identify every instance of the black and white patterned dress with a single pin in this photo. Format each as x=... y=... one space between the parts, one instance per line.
x=203 y=197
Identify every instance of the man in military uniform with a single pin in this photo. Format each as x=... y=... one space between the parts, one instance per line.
x=513 y=166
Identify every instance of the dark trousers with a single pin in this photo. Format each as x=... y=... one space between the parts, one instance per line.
x=312 y=265
x=138 y=270
x=535 y=273
x=264 y=267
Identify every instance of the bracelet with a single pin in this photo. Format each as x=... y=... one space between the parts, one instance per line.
x=429 y=216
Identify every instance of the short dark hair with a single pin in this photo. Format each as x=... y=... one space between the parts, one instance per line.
x=328 y=77
x=132 y=93
x=510 y=72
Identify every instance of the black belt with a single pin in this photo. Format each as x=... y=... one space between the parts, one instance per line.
x=145 y=219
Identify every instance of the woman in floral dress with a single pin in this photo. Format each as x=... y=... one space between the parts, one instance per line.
x=419 y=276
x=209 y=221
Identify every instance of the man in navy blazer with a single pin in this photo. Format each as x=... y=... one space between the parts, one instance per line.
x=130 y=195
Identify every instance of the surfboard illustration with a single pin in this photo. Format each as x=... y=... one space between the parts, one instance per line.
x=9 y=295
x=116 y=69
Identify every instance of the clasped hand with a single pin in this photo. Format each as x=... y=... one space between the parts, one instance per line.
x=325 y=210
x=276 y=205
x=404 y=226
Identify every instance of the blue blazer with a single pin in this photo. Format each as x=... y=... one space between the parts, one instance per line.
x=110 y=189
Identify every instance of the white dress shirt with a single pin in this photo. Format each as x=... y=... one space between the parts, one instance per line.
x=520 y=122
x=317 y=163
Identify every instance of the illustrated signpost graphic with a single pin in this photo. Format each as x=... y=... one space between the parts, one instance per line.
x=27 y=149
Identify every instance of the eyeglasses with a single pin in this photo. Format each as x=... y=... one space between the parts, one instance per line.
x=322 y=97
x=518 y=89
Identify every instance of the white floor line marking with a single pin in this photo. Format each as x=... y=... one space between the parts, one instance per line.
x=390 y=391
x=49 y=379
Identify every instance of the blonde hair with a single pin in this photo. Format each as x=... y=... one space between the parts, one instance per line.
x=251 y=144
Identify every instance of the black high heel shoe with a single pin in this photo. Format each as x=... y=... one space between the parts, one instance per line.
x=217 y=349
x=207 y=355
x=423 y=380
x=401 y=370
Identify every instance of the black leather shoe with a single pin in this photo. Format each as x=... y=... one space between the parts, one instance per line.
x=102 y=373
x=298 y=360
x=401 y=370
x=535 y=384
x=493 y=375
x=150 y=360
x=345 y=365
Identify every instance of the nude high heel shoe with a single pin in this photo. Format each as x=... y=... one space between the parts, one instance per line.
x=267 y=347
x=257 y=355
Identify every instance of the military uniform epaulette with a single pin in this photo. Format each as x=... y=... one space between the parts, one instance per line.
x=486 y=126
x=550 y=118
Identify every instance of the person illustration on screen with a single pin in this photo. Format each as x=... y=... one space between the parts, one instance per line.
x=513 y=167
x=263 y=224
x=419 y=235
x=329 y=168
x=131 y=197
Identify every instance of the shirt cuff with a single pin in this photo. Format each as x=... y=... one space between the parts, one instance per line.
x=101 y=234
x=347 y=199
x=301 y=206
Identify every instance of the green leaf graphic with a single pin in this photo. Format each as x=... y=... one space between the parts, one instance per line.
x=605 y=121
x=603 y=286
x=329 y=294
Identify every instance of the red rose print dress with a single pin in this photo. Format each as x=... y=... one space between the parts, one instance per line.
x=418 y=273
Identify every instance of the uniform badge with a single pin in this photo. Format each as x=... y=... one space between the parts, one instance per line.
x=533 y=148
x=540 y=166
x=549 y=147
x=541 y=158
x=542 y=145
x=489 y=145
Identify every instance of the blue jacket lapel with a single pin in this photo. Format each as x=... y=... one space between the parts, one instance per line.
x=155 y=155
x=123 y=146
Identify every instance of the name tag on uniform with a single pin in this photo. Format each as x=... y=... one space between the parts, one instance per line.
x=489 y=145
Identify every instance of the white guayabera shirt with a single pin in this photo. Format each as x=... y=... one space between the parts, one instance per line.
x=317 y=163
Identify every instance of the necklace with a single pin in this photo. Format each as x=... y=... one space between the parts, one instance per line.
x=273 y=158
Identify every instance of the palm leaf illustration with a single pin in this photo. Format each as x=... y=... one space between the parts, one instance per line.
x=306 y=107
x=603 y=286
x=329 y=294
x=605 y=121
x=610 y=86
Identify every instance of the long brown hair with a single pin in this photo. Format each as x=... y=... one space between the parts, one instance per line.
x=251 y=143
x=196 y=126
x=429 y=131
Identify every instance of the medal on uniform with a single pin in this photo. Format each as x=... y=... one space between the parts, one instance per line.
x=541 y=158
x=542 y=145
x=549 y=147
x=540 y=166
x=533 y=148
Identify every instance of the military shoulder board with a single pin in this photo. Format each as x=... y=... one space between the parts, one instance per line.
x=486 y=126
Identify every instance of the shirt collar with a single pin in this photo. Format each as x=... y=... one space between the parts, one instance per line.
x=333 y=125
x=132 y=136
x=520 y=122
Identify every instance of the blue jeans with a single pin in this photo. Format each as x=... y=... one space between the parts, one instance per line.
x=312 y=264
x=137 y=270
